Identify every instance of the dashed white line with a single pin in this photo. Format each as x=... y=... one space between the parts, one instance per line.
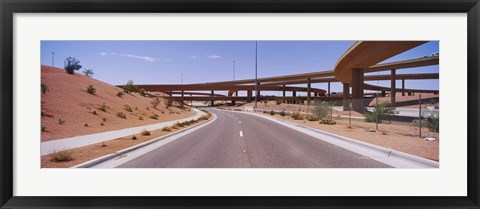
x=241 y=133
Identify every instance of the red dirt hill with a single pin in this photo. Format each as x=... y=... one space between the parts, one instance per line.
x=67 y=98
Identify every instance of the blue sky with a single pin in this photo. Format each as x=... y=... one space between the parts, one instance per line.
x=163 y=62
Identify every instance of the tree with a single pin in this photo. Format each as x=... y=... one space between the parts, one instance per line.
x=129 y=87
x=321 y=108
x=72 y=64
x=88 y=72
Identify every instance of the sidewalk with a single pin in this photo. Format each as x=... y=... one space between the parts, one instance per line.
x=80 y=141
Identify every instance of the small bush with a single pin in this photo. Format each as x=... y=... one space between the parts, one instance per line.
x=328 y=121
x=174 y=126
x=86 y=124
x=154 y=116
x=121 y=115
x=383 y=112
x=44 y=128
x=44 y=88
x=283 y=113
x=61 y=121
x=134 y=137
x=88 y=72
x=140 y=117
x=142 y=92
x=166 y=128
x=94 y=112
x=102 y=124
x=168 y=103
x=91 y=89
x=72 y=64
x=104 y=119
x=321 y=109
x=146 y=133
x=278 y=101
x=312 y=117
x=129 y=87
x=179 y=124
x=120 y=94
x=181 y=105
x=297 y=116
x=127 y=108
x=103 y=107
x=264 y=111
x=62 y=156
x=272 y=112
x=155 y=102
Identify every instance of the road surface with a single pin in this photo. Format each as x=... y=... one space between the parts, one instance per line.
x=236 y=140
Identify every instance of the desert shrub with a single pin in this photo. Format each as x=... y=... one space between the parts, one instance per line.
x=312 y=117
x=127 y=108
x=102 y=124
x=166 y=128
x=264 y=111
x=94 y=111
x=155 y=102
x=382 y=111
x=61 y=121
x=121 y=115
x=134 y=137
x=272 y=112
x=104 y=119
x=168 y=103
x=72 y=64
x=44 y=88
x=140 y=117
x=328 y=121
x=297 y=116
x=432 y=121
x=181 y=105
x=283 y=113
x=179 y=124
x=91 y=89
x=129 y=87
x=146 y=133
x=44 y=128
x=321 y=108
x=103 y=107
x=86 y=124
x=204 y=117
x=142 y=92
x=62 y=156
x=120 y=94
x=154 y=116
x=88 y=72
x=279 y=101
x=174 y=126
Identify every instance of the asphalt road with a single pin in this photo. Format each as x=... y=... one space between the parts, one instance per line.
x=236 y=140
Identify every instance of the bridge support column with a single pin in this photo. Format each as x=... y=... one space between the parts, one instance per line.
x=328 y=88
x=409 y=94
x=383 y=94
x=357 y=90
x=309 y=85
x=284 y=93
x=403 y=87
x=294 y=93
x=393 y=87
x=346 y=95
x=212 y=103
x=249 y=95
x=182 y=96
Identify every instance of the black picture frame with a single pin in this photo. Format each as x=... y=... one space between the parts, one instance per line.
x=10 y=7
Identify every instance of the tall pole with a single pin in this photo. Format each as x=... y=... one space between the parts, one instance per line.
x=181 y=78
x=420 y=115
x=376 y=111
x=53 y=59
x=256 y=83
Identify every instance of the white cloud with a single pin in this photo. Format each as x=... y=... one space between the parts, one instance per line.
x=213 y=56
x=194 y=58
x=143 y=58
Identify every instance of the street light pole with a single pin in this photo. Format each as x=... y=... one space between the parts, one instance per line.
x=53 y=59
x=256 y=83
x=181 y=78
x=234 y=70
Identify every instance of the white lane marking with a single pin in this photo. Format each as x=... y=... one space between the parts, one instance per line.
x=241 y=133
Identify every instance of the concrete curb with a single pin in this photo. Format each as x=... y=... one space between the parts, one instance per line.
x=104 y=158
x=386 y=151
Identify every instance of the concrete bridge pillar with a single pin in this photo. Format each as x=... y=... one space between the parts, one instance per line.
x=393 y=91
x=403 y=87
x=249 y=95
x=346 y=95
x=182 y=96
x=357 y=90
x=284 y=93
x=294 y=93
x=328 y=88
x=383 y=94
x=212 y=103
x=309 y=85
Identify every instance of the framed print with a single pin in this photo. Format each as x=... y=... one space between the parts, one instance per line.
x=265 y=104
